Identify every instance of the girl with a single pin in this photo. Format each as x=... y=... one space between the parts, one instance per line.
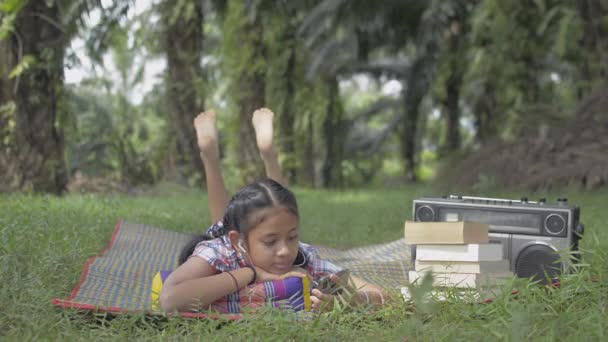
x=256 y=237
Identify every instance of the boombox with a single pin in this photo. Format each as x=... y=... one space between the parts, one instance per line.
x=539 y=239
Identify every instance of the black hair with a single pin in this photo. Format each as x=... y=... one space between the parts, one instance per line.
x=238 y=215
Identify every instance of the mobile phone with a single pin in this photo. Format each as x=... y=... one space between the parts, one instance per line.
x=328 y=286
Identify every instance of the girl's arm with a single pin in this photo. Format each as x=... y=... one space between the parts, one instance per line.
x=366 y=291
x=197 y=284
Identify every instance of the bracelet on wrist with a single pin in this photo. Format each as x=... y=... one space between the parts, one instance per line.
x=236 y=283
x=255 y=274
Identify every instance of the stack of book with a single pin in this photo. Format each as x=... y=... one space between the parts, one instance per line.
x=456 y=254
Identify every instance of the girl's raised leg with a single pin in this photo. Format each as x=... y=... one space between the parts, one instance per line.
x=262 y=123
x=206 y=134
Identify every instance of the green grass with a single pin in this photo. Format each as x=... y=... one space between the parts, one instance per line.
x=45 y=241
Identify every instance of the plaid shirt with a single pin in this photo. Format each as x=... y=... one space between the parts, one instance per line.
x=221 y=255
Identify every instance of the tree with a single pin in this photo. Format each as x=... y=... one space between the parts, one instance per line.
x=340 y=41
x=451 y=71
x=363 y=28
x=509 y=70
x=182 y=31
x=244 y=54
x=35 y=48
x=34 y=38
x=283 y=75
x=594 y=29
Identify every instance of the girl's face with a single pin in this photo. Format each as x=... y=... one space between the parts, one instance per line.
x=273 y=243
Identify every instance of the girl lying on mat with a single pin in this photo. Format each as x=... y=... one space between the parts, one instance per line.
x=255 y=237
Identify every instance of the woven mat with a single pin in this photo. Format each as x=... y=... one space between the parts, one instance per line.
x=120 y=278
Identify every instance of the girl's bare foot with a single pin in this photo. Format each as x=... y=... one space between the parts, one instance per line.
x=262 y=123
x=206 y=134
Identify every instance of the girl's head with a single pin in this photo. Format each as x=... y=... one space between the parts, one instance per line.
x=261 y=220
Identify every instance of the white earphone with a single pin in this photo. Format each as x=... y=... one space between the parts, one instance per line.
x=240 y=244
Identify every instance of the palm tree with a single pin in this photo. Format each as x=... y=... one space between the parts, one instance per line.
x=344 y=33
x=33 y=48
x=182 y=30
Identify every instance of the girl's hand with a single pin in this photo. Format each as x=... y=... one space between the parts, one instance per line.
x=347 y=294
x=326 y=300
x=321 y=300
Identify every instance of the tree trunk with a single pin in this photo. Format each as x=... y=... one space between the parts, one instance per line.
x=6 y=64
x=251 y=98
x=334 y=136
x=287 y=113
x=592 y=68
x=528 y=55
x=309 y=174
x=8 y=172
x=36 y=94
x=417 y=86
x=456 y=52
x=453 y=140
x=408 y=142
x=185 y=82
x=485 y=121
x=246 y=68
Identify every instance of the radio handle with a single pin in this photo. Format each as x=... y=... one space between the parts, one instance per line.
x=474 y=198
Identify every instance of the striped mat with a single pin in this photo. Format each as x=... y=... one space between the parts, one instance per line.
x=120 y=278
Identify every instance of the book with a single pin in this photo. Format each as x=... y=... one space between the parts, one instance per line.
x=460 y=232
x=463 y=266
x=462 y=280
x=465 y=252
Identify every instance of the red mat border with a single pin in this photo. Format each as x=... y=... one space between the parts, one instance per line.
x=70 y=304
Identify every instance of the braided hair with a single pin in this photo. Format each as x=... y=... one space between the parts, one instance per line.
x=240 y=213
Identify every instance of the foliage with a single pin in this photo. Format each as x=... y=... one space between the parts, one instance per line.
x=123 y=147
x=244 y=68
x=109 y=134
x=493 y=70
x=26 y=62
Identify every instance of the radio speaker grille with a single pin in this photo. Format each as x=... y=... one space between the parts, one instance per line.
x=539 y=262
x=425 y=213
x=555 y=224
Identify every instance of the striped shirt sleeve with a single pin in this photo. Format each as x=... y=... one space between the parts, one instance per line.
x=212 y=252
